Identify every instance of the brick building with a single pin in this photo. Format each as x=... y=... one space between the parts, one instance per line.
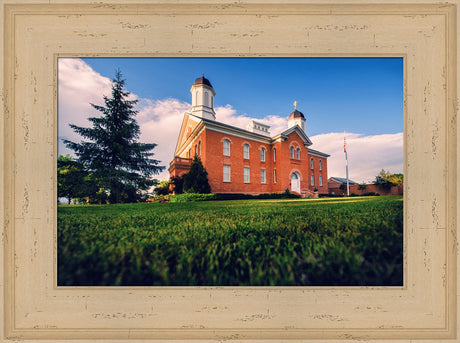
x=337 y=186
x=248 y=161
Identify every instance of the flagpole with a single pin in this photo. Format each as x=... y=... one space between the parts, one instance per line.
x=346 y=158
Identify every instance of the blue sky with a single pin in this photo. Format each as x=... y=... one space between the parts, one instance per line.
x=360 y=96
x=336 y=94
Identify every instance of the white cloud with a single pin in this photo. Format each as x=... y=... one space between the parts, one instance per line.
x=160 y=121
x=367 y=155
x=228 y=115
x=79 y=85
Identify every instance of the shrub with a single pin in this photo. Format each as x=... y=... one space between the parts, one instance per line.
x=240 y=196
x=187 y=197
x=177 y=182
x=362 y=186
x=371 y=194
x=162 y=188
x=196 y=180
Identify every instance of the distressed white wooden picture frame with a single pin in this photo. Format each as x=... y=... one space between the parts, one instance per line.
x=36 y=33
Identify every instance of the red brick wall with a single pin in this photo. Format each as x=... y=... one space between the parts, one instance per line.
x=288 y=165
x=281 y=183
x=334 y=188
x=213 y=160
x=317 y=173
x=179 y=166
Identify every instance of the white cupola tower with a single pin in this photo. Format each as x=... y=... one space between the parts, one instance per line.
x=296 y=118
x=203 y=99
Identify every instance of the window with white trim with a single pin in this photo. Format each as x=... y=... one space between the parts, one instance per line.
x=274 y=155
x=246 y=175
x=274 y=175
x=262 y=154
x=320 y=180
x=312 y=181
x=312 y=163
x=206 y=99
x=292 y=152
x=297 y=153
x=226 y=173
x=226 y=147
x=262 y=176
x=199 y=148
x=246 y=151
x=320 y=165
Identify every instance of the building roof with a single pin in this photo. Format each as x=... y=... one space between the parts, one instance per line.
x=283 y=135
x=317 y=153
x=221 y=127
x=296 y=114
x=234 y=128
x=202 y=81
x=342 y=180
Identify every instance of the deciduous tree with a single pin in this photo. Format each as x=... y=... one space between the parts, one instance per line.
x=70 y=177
x=385 y=178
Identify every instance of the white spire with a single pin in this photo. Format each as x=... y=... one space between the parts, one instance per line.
x=203 y=99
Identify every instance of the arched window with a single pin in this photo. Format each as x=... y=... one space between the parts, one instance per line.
x=297 y=153
x=226 y=147
x=292 y=152
x=212 y=101
x=274 y=155
x=196 y=98
x=206 y=99
x=274 y=175
x=196 y=149
x=199 y=148
x=312 y=180
x=246 y=151
x=312 y=163
x=320 y=180
x=320 y=166
x=262 y=154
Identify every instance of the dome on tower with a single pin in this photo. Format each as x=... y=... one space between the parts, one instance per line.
x=296 y=114
x=202 y=81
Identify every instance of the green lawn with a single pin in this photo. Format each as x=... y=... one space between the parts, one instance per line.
x=336 y=241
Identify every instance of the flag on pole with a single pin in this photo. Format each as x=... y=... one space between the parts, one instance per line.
x=346 y=158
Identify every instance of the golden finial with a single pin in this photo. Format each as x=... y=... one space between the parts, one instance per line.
x=295 y=105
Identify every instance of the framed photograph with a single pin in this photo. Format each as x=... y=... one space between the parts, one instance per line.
x=36 y=36
x=245 y=199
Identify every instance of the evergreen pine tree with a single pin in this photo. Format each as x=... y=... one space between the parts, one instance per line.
x=112 y=152
x=196 y=180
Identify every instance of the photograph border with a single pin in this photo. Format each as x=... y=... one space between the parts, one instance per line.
x=35 y=34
